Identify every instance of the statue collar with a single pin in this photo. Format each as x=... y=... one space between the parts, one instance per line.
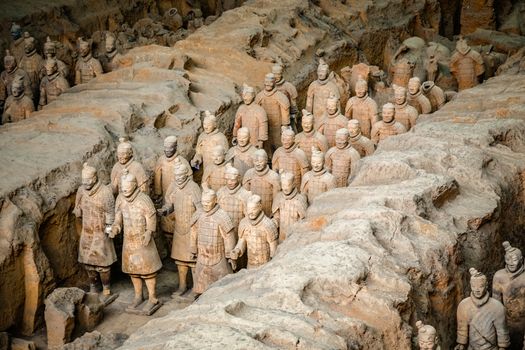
x=173 y=157
x=182 y=185
x=416 y=94
x=53 y=76
x=270 y=93
x=324 y=81
x=111 y=54
x=403 y=105
x=345 y=147
x=13 y=72
x=481 y=301
x=235 y=190
x=215 y=131
x=291 y=149
x=362 y=98
x=309 y=133
x=212 y=211
x=291 y=195
x=87 y=57
x=335 y=115
x=94 y=189
x=319 y=173
x=133 y=196
x=280 y=82
x=513 y=275
x=263 y=172
x=390 y=123
x=257 y=220
x=30 y=54
x=21 y=96
x=244 y=148
x=356 y=137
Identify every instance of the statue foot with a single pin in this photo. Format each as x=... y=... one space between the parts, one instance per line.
x=179 y=292
x=136 y=302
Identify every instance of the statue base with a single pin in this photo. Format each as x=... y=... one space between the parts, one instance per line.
x=143 y=309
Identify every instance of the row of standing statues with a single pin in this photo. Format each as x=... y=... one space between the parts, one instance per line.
x=253 y=193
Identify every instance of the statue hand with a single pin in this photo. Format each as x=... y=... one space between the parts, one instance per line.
x=195 y=163
x=234 y=141
x=460 y=347
x=107 y=230
x=147 y=238
x=162 y=212
x=259 y=144
x=234 y=254
x=114 y=231
x=233 y=264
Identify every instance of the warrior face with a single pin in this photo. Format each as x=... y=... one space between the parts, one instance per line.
x=84 y=49
x=287 y=184
x=388 y=114
x=260 y=162
x=322 y=72
x=361 y=88
x=253 y=209
x=269 y=83
x=208 y=201
x=123 y=156
x=413 y=86
x=170 y=149
x=232 y=181
x=400 y=96
x=248 y=97
x=317 y=163
x=9 y=64
x=513 y=261
x=288 y=140
x=243 y=138
x=331 y=106
x=180 y=178
x=89 y=181
x=218 y=155
x=17 y=89
x=307 y=123
x=128 y=188
x=478 y=287
x=341 y=140
x=209 y=125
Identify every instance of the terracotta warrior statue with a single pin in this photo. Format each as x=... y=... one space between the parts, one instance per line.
x=508 y=287
x=135 y=215
x=32 y=63
x=427 y=338
x=262 y=181
x=50 y=52
x=415 y=97
x=212 y=240
x=319 y=91
x=164 y=176
x=183 y=199
x=110 y=60
x=289 y=206
x=332 y=121
x=342 y=159
x=290 y=158
x=125 y=161
x=405 y=113
x=481 y=319
x=242 y=154
x=310 y=137
x=208 y=139
x=96 y=206
x=389 y=126
x=289 y=90
x=87 y=66
x=258 y=236
x=401 y=72
x=18 y=106
x=466 y=65
x=435 y=95
x=318 y=180
x=277 y=108
x=52 y=85
x=214 y=178
x=253 y=117
x=233 y=198
x=360 y=143
x=362 y=108
x=11 y=72
x=17 y=45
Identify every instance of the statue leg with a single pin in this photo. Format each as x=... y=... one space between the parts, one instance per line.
x=93 y=279
x=183 y=275
x=151 y=284
x=137 y=285
x=105 y=277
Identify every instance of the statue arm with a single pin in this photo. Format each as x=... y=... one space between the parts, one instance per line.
x=374 y=135
x=78 y=209
x=237 y=124
x=349 y=108
x=114 y=181
x=193 y=239
x=462 y=330
x=331 y=183
x=273 y=239
x=43 y=97
x=97 y=67
x=328 y=161
x=426 y=107
x=109 y=209
x=117 y=224
x=157 y=180
x=373 y=112
x=285 y=112
x=310 y=99
x=263 y=127
x=229 y=241
x=78 y=75
x=502 y=330
x=496 y=291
